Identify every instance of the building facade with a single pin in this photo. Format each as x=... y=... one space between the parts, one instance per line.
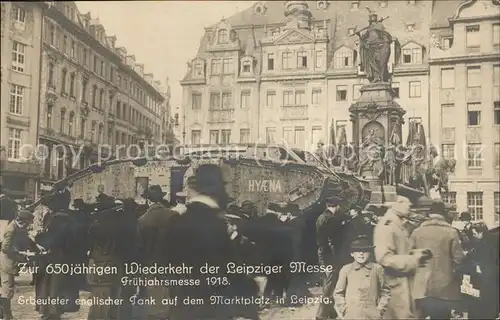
x=285 y=72
x=465 y=100
x=21 y=31
x=96 y=99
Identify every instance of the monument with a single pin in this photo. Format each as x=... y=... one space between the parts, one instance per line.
x=376 y=117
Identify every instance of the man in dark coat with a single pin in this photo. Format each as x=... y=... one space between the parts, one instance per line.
x=329 y=234
x=151 y=229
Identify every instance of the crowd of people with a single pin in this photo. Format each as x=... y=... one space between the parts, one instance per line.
x=380 y=267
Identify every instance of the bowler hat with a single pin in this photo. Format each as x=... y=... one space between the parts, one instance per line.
x=154 y=190
x=424 y=202
x=361 y=244
x=25 y=215
x=438 y=207
x=465 y=216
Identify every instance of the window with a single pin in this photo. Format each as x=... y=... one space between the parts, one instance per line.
x=475 y=205
x=18 y=56
x=100 y=134
x=244 y=135
x=101 y=98
x=473 y=39
x=316 y=135
x=447 y=78
x=270 y=61
x=412 y=56
x=215 y=101
x=474 y=77
x=85 y=82
x=395 y=89
x=214 y=137
x=415 y=89
x=474 y=155
x=16 y=99
x=300 y=98
x=343 y=60
x=85 y=57
x=195 y=136
x=341 y=93
x=319 y=59
x=288 y=98
x=196 y=101
x=448 y=151
x=70 y=123
x=450 y=198
x=83 y=123
x=246 y=66
x=73 y=49
x=52 y=34
x=223 y=36
x=61 y=123
x=302 y=59
x=50 y=78
x=497 y=155
x=14 y=148
x=48 y=119
x=496 y=34
x=19 y=15
x=496 y=75
x=72 y=79
x=65 y=45
x=227 y=66
x=102 y=69
x=63 y=80
x=216 y=66
x=473 y=114
x=354 y=4
x=92 y=131
x=198 y=69
x=300 y=137
x=316 y=97
x=286 y=58
x=447 y=43
x=496 y=112
x=95 y=64
x=94 y=95
x=245 y=99
x=270 y=96
x=270 y=135
x=227 y=101
x=225 y=136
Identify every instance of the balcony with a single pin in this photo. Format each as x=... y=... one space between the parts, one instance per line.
x=294 y=112
x=27 y=168
x=447 y=96
x=473 y=94
x=221 y=116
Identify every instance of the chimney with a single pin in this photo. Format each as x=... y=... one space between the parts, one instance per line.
x=149 y=77
x=111 y=41
x=122 y=52
x=139 y=68
x=130 y=61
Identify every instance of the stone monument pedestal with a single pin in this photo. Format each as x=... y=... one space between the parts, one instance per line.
x=377 y=120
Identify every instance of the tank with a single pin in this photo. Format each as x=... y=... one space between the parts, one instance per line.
x=259 y=173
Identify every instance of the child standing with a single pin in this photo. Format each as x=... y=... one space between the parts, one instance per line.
x=361 y=291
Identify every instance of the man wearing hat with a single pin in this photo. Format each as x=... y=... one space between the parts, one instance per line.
x=436 y=287
x=15 y=239
x=152 y=229
x=180 y=200
x=362 y=291
x=328 y=236
x=392 y=251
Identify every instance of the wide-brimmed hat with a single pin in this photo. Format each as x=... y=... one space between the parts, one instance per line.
x=438 y=207
x=333 y=201
x=208 y=179
x=154 y=190
x=25 y=216
x=424 y=202
x=362 y=244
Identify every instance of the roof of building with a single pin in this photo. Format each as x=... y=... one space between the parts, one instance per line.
x=442 y=10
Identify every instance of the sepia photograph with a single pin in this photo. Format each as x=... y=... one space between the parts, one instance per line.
x=250 y=160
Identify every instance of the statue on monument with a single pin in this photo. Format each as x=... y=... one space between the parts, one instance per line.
x=375 y=49
x=372 y=154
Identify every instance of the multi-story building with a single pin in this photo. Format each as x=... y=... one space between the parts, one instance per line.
x=465 y=100
x=95 y=97
x=286 y=71
x=21 y=30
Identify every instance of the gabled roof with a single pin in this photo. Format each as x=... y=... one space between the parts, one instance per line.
x=442 y=10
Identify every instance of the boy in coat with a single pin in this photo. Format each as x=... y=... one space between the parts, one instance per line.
x=362 y=291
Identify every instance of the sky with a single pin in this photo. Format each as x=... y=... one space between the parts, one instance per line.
x=163 y=35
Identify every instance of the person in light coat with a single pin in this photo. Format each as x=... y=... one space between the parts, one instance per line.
x=392 y=251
